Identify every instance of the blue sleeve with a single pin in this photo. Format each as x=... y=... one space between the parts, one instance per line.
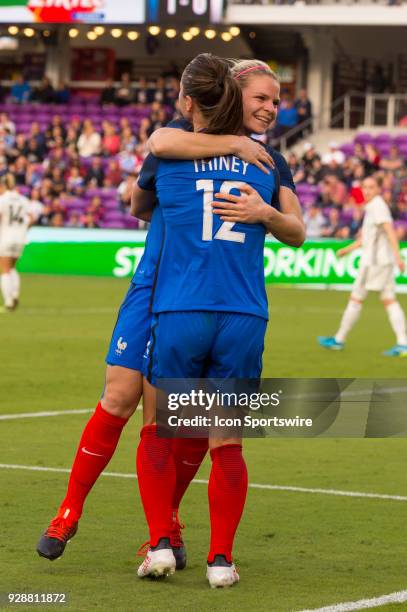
x=146 y=178
x=286 y=179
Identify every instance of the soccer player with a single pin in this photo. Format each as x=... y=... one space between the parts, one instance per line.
x=260 y=92
x=15 y=219
x=124 y=384
x=209 y=295
x=380 y=251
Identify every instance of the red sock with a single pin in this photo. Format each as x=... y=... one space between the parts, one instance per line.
x=188 y=455
x=96 y=447
x=156 y=479
x=227 y=495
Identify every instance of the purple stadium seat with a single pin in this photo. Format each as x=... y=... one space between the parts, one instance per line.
x=131 y=222
x=363 y=138
x=113 y=224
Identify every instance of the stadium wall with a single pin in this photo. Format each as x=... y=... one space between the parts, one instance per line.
x=116 y=253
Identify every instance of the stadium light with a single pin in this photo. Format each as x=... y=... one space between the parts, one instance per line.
x=46 y=33
x=116 y=32
x=73 y=32
x=187 y=36
x=29 y=32
x=171 y=33
x=154 y=30
x=234 y=30
x=133 y=35
x=99 y=30
x=210 y=34
x=226 y=36
x=13 y=30
x=252 y=34
x=194 y=31
x=91 y=35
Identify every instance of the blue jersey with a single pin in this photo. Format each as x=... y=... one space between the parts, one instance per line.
x=205 y=263
x=146 y=269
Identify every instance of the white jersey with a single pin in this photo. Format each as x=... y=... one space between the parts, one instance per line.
x=376 y=247
x=14 y=218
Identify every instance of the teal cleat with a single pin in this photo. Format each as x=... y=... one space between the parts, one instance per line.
x=398 y=350
x=329 y=342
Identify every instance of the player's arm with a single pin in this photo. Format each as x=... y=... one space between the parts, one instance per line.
x=249 y=207
x=142 y=203
x=348 y=249
x=175 y=143
x=391 y=235
x=143 y=197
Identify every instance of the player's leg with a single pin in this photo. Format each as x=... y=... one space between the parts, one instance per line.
x=178 y=346
x=396 y=317
x=99 y=439
x=15 y=282
x=236 y=354
x=350 y=316
x=6 y=281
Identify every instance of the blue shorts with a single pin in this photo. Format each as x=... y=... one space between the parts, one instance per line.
x=132 y=329
x=204 y=345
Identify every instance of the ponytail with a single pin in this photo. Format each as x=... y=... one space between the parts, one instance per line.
x=208 y=80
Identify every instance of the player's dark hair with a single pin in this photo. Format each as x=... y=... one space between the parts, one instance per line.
x=208 y=80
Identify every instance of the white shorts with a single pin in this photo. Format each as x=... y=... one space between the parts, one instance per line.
x=375 y=278
x=11 y=249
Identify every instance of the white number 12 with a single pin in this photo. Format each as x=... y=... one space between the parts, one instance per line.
x=225 y=231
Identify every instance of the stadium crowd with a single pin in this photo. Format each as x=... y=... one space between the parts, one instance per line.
x=77 y=161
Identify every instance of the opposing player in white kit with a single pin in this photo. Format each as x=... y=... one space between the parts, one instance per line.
x=380 y=251
x=15 y=219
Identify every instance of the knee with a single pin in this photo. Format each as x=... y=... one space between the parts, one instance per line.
x=120 y=398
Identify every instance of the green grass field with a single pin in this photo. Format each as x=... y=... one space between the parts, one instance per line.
x=295 y=550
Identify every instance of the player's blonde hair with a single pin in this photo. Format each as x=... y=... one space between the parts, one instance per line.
x=242 y=70
x=8 y=181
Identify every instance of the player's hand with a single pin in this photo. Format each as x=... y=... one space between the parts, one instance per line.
x=254 y=153
x=249 y=207
x=400 y=264
x=342 y=252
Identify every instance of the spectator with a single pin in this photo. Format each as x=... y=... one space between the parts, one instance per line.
x=287 y=117
x=108 y=93
x=62 y=93
x=36 y=206
x=333 y=191
x=75 y=220
x=89 y=142
x=393 y=162
x=304 y=110
x=57 y=220
x=7 y=124
x=45 y=93
x=89 y=221
x=95 y=175
x=110 y=141
x=20 y=90
x=124 y=94
x=96 y=209
x=113 y=175
x=315 y=222
x=334 y=154
x=75 y=182
x=334 y=225
x=36 y=133
x=125 y=190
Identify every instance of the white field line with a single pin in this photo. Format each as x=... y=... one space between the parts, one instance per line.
x=252 y=485
x=363 y=604
x=49 y=413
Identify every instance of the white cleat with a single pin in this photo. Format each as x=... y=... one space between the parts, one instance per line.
x=157 y=564
x=222 y=576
